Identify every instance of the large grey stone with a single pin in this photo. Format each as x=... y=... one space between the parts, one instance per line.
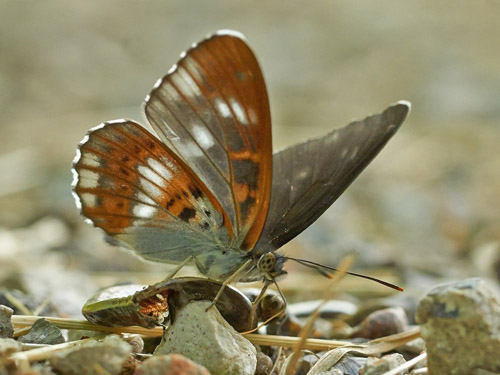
x=207 y=339
x=460 y=324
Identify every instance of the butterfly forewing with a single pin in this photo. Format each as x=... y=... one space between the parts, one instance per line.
x=310 y=176
x=212 y=109
x=141 y=194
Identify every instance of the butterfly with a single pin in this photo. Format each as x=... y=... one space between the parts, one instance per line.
x=203 y=186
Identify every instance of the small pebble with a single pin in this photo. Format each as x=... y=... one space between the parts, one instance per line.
x=41 y=369
x=6 y=329
x=382 y=323
x=170 y=364
x=130 y=365
x=107 y=356
x=379 y=366
x=206 y=338
x=408 y=303
x=306 y=363
x=331 y=365
x=460 y=324
x=270 y=305
x=264 y=364
x=7 y=348
x=43 y=332
x=413 y=347
x=137 y=344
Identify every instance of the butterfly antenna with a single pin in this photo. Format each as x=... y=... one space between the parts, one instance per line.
x=321 y=269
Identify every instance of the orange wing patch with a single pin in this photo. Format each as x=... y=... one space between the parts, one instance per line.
x=126 y=177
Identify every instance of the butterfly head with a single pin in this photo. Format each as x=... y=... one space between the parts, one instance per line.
x=270 y=266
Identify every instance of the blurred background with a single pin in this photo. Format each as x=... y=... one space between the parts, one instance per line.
x=425 y=211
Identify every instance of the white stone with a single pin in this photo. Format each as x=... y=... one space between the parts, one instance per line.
x=207 y=339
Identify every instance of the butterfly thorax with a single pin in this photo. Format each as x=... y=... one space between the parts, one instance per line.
x=220 y=265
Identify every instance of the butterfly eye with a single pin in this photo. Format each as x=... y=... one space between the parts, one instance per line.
x=267 y=263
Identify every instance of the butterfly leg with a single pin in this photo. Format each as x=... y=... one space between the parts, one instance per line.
x=229 y=280
x=257 y=301
x=178 y=268
x=282 y=297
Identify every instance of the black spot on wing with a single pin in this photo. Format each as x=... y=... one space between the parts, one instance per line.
x=170 y=203
x=187 y=214
x=196 y=192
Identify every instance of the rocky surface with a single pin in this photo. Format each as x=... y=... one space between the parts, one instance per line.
x=170 y=364
x=7 y=348
x=6 y=329
x=206 y=338
x=382 y=323
x=107 y=356
x=460 y=324
x=379 y=366
x=43 y=332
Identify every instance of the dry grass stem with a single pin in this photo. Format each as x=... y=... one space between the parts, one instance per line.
x=374 y=347
x=419 y=371
x=43 y=353
x=17 y=303
x=42 y=305
x=307 y=329
x=22 y=321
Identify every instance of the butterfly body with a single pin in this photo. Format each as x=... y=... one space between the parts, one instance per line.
x=204 y=185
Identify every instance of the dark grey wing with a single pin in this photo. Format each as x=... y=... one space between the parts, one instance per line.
x=310 y=176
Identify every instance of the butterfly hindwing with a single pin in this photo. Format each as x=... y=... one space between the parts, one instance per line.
x=212 y=109
x=310 y=176
x=142 y=195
